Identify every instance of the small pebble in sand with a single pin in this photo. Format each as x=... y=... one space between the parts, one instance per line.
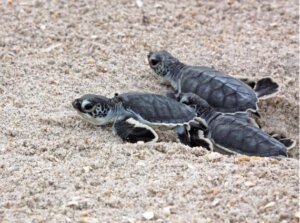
x=271 y=204
x=140 y=163
x=215 y=202
x=190 y=166
x=249 y=184
x=139 y=3
x=88 y=220
x=213 y=156
x=85 y=213
x=52 y=81
x=87 y=169
x=52 y=47
x=148 y=215
x=43 y=27
x=94 y=36
x=167 y=211
x=101 y=69
x=90 y=60
x=158 y=6
x=73 y=204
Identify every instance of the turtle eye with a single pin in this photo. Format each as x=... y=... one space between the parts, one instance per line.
x=154 y=62
x=185 y=100
x=88 y=107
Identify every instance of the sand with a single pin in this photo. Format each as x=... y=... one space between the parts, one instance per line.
x=56 y=168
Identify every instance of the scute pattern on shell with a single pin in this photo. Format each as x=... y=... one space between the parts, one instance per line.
x=221 y=91
x=242 y=137
x=157 y=108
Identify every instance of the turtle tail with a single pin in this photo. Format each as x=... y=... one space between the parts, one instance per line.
x=266 y=87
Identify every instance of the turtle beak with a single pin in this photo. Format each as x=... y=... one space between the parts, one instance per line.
x=77 y=104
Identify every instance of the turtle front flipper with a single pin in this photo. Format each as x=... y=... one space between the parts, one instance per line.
x=199 y=136
x=197 y=139
x=131 y=130
x=183 y=135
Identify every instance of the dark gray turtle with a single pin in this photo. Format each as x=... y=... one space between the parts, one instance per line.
x=134 y=114
x=223 y=92
x=230 y=132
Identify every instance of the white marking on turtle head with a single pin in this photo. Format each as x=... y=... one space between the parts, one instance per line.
x=96 y=120
x=93 y=111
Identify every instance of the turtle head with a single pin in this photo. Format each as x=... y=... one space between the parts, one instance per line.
x=161 y=62
x=194 y=101
x=95 y=109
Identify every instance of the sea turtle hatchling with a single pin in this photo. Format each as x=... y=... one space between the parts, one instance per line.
x=223 y=92
x=135 y=114
x=231 y=134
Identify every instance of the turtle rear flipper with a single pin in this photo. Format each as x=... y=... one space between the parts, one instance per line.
x=131 y=130
x=289 y=143
x=266 y=87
